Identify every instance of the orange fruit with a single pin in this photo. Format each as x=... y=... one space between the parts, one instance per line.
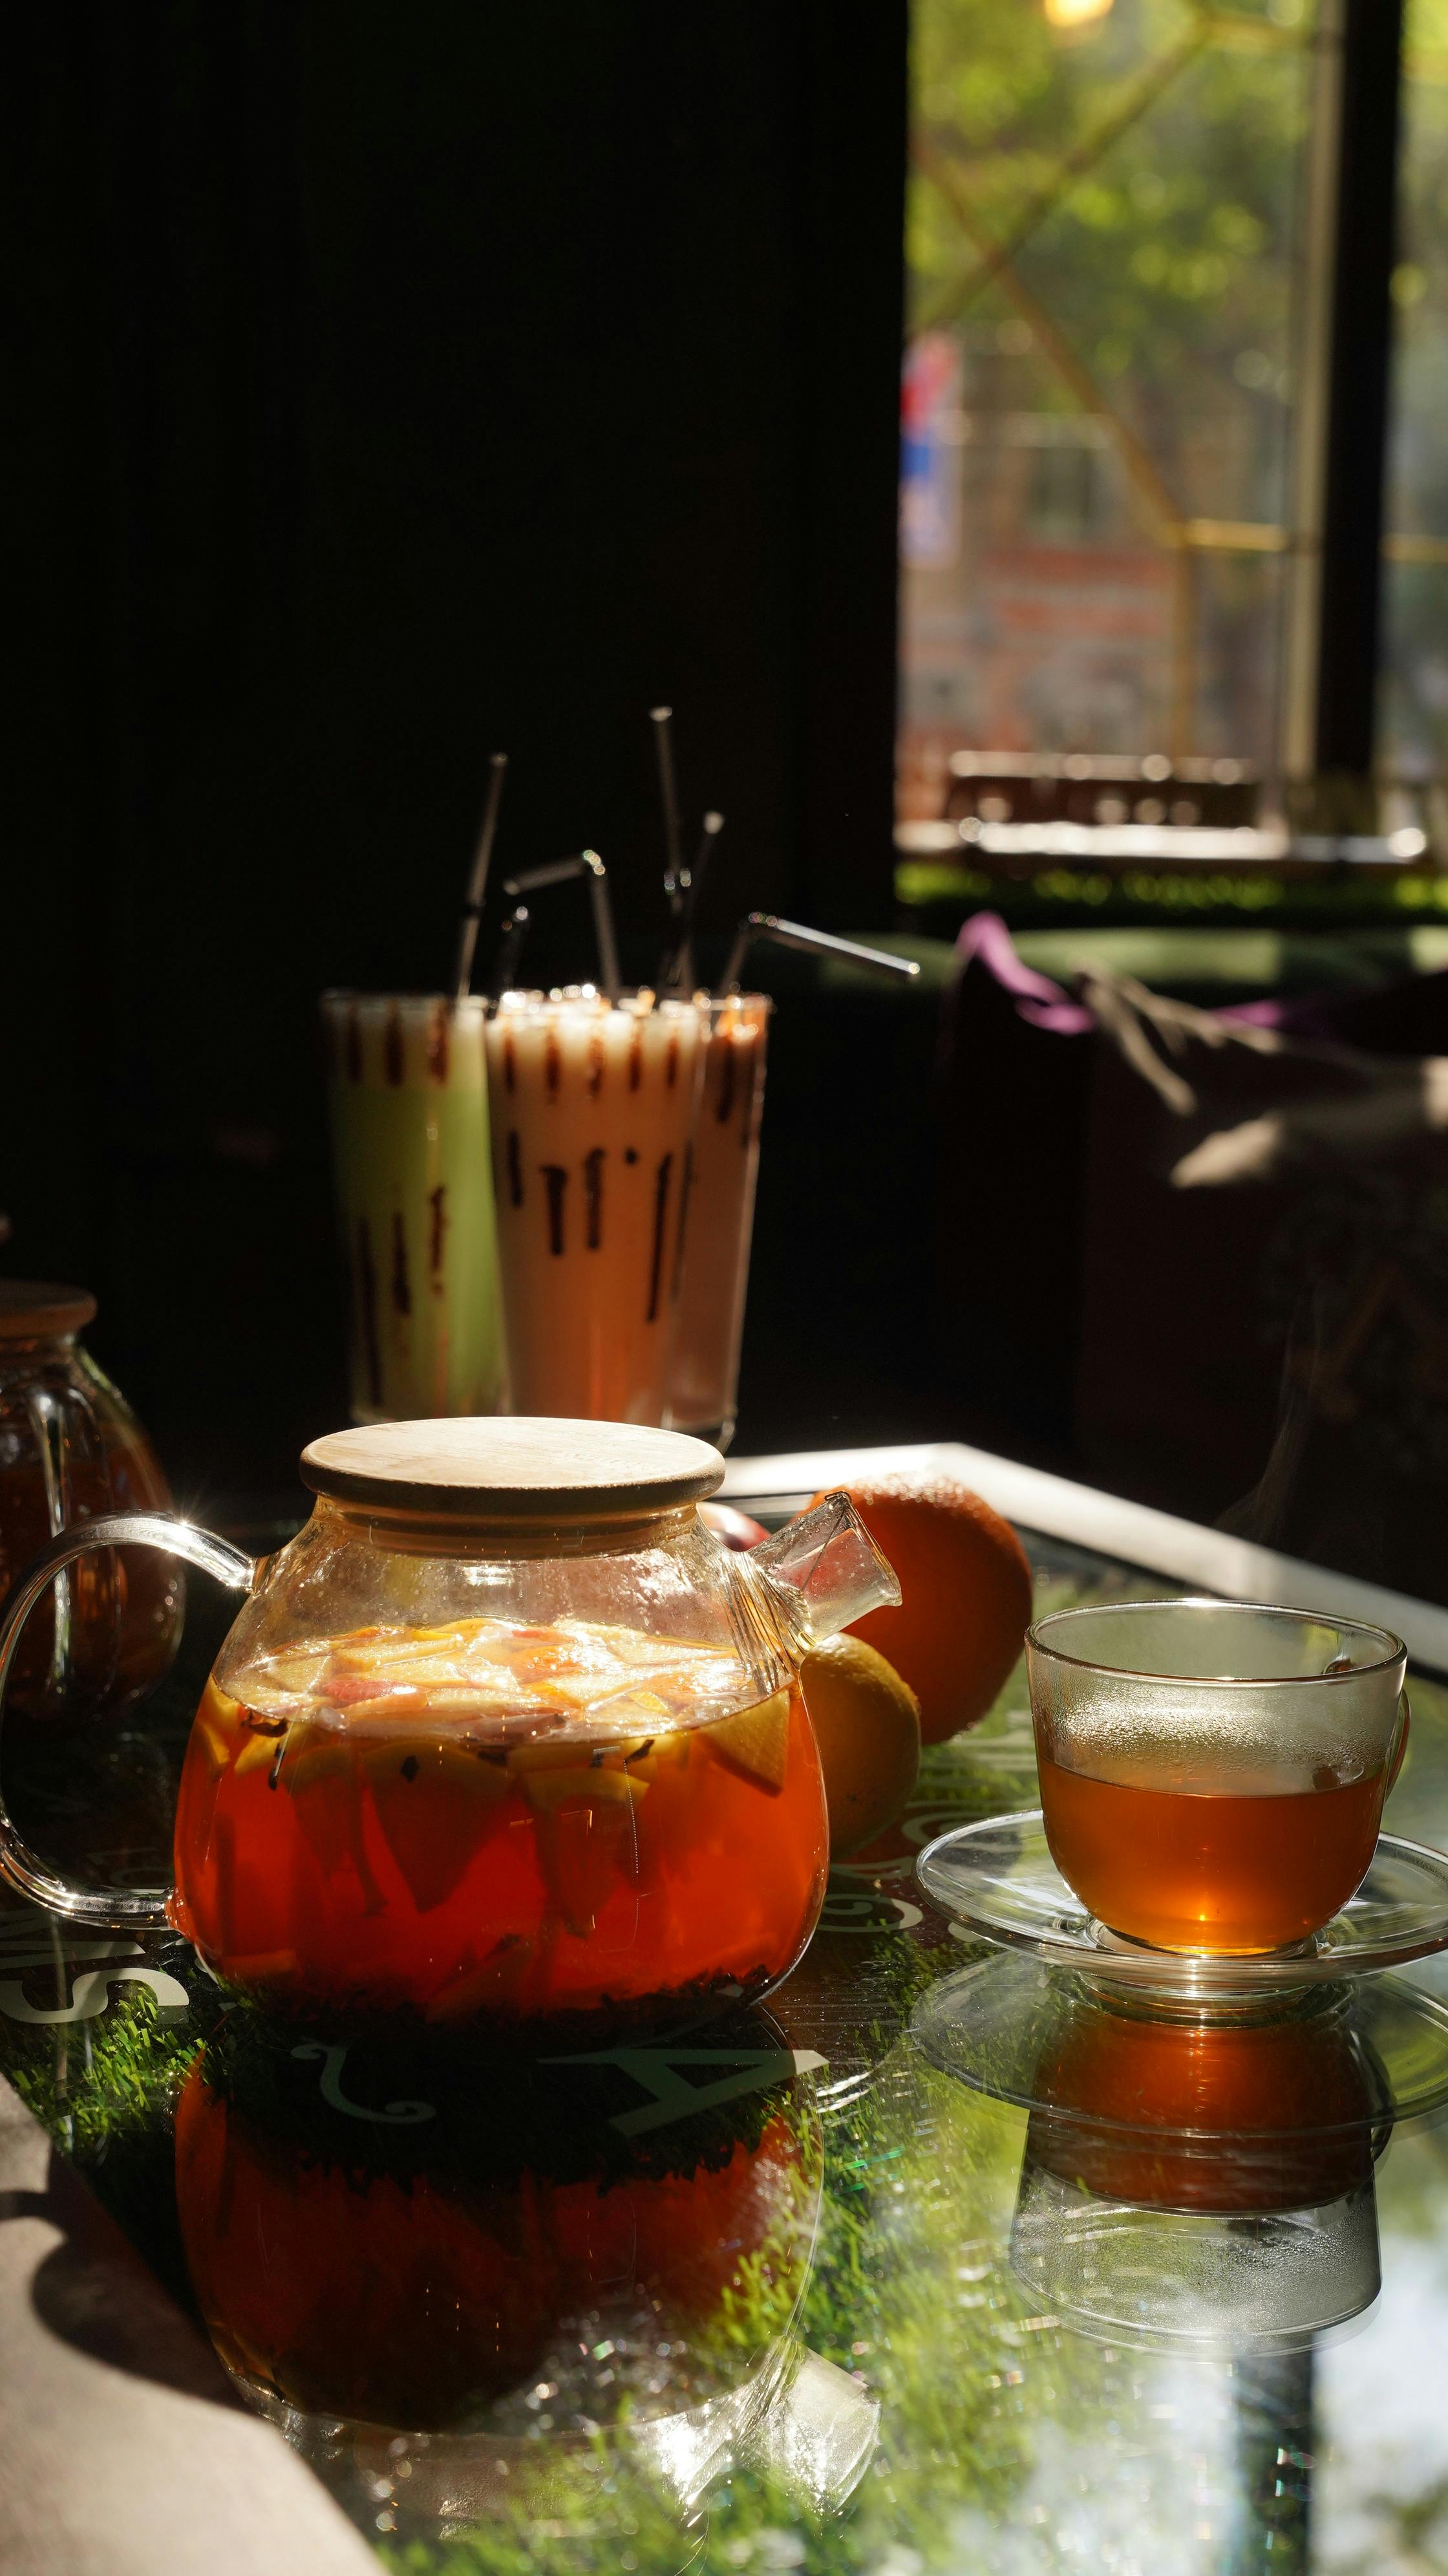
x=867 y=1726
x=965 y=1586
x=735 y=1528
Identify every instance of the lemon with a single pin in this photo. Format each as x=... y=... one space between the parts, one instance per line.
x=867 y=1726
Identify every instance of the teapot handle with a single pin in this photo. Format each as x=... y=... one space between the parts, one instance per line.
x=120 y=1909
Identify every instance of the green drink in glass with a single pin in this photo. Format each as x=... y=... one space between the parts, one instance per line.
x=409 y=1107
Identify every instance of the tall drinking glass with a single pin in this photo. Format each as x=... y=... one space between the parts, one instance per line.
x=409 y=1107
x=592 y=1105
x=723 y=1171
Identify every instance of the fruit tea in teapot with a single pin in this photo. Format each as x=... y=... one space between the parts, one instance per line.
x=504 y=1732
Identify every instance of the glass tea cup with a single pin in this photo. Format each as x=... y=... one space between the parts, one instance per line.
x=1212 y=1773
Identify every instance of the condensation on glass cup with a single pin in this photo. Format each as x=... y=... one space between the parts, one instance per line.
x=409 y=1115
x=723 y=1173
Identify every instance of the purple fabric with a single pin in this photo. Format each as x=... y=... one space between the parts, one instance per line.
x=1037 y=999
x=1405 y=1017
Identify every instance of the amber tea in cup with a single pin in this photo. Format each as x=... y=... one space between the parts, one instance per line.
x=1213 y=1774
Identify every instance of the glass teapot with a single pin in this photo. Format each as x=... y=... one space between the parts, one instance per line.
x=70 y=1449
x=504 y=1731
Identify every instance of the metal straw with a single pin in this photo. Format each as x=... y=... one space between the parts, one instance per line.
x=510 y=947
x=478 y=882
x=820 y=943
x=661 y=718
x=560 y=872
x=677 y=967
x=598 y=896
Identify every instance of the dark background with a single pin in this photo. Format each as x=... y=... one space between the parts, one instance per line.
x=389 y=386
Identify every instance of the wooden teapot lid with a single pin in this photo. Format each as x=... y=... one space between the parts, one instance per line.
x=32 y=1308
x=513 y=1467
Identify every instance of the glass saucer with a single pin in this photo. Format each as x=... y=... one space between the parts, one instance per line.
x=1005 y=2026
x=999 y=1881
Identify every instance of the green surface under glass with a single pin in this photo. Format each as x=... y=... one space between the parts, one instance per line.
x=862 y=2372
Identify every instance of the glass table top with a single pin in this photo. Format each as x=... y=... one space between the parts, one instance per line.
x=927 y=2266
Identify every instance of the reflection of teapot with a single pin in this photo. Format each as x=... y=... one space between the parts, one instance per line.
x=1202 y=2181
x=504 y=1731
x=410 y=2235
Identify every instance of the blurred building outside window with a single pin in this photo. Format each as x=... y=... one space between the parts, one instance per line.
x=1119 y=262
x=1413 y=705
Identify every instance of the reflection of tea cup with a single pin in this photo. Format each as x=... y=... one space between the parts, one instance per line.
x=1202 y=2182
x=1229 y=2114
x=1270 y=2281
x=1213 y=1774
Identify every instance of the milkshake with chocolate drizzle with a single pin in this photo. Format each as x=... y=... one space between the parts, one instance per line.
x=723 y=1169
x=591 y=1106
x=409 y=1106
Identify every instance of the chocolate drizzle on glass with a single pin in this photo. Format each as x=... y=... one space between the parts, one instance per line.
x=593 y=1197
x=661 y=1207
x=401 y=1284
x=594 y=1099
x=555 y=1178
x=394 y=1050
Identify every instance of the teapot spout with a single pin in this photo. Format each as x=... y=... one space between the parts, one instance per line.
x=824 y=1571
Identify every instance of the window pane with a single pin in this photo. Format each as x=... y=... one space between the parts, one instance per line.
x=1098 y=388
x=1413 y=714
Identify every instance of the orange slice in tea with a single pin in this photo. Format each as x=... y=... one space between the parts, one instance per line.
x=434 y=1802
x=582 y=1782
x=258 y=1752
x=755 y=1743
x=586 y=1833
x=319 y=1772
x=218 y=1726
